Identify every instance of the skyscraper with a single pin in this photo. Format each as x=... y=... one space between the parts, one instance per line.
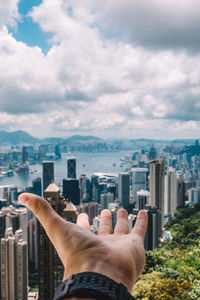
x=24 y=155
x=16 y=218
x=139 y=182
x=157 y=173
x=91 y=209
x=50 y=265
x=71 y=167
x=170 y=196
x=124 y=189
x=151 y=238
x=14 y=266
x=71 y=190
x=48 y=173
x=85 y=188
x=57 y=152
x=142 y=199
x=181 y=193
x=37 y=186
x=2 y=224
x=152 y=153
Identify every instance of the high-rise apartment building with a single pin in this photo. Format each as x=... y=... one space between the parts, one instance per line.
x=71 y=167
x=157 y=173
x=71 y=190
x=139 y=182
x=14 y=266
x=193 y=196
x=49 y=265
x=85 y=188
x=170 y=192
x=48 y=173
x=124 y=189
x=91 y=209
x=16 y=218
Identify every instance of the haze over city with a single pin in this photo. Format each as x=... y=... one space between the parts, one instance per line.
x=106 y=68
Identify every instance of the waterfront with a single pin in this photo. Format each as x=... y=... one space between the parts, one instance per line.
x=87 y=163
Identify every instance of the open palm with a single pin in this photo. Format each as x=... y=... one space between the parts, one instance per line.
x=118 y=255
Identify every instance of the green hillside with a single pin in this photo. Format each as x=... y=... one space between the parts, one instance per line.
x=173 y=271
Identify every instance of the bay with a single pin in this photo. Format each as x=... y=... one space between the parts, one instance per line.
x=86 y=163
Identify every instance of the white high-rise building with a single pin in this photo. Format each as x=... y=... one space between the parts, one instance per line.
x=157 y=173
x=193 y=196
x=170 y=194
x=139 y=182
x=14 y=266
x=17 y=218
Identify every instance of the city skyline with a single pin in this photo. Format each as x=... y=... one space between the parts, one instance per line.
x=102 y=68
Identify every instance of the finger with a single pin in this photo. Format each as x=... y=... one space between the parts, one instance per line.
x=83 y=221
x=121 y=226
x=50 y=220
x=141 y=224
x=105 y=226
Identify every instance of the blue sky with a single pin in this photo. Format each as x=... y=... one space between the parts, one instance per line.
x=105 y=67
x=29 y=31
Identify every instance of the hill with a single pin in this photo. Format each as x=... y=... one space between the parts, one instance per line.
x=16 y=137
x=173 y=271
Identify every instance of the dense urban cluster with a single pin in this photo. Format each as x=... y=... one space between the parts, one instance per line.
x=158 y=180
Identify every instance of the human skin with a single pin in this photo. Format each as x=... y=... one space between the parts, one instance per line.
x=116 y=253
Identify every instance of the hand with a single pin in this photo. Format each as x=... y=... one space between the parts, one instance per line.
x=118 y=255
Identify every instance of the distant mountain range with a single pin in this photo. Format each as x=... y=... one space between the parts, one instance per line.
x=22 y=137
x=16 y=137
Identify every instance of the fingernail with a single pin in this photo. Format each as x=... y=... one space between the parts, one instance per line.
x=23 y=200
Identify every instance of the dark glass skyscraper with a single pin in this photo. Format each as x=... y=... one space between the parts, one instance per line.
x=71 y=190
x=50 y=266
x=71 y=167
x=48 y=173
x=124 y=189
x=24 y=154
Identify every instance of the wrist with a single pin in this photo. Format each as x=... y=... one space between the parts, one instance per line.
x=113 y=272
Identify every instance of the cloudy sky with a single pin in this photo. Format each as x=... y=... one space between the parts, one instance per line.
x=102 y=67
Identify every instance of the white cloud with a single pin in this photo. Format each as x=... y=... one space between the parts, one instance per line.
x=8 y=12
x=89 y=82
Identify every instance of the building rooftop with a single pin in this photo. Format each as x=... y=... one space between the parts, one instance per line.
x=70 y=206
x=52 y=187
x=143 y=193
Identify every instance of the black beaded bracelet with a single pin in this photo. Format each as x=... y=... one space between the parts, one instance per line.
x=90 y=284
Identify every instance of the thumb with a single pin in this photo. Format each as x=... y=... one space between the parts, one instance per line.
x=54 y=225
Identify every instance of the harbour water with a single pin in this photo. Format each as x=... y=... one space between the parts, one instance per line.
x=86 y=163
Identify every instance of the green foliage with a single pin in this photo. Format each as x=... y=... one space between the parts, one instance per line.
x=173 y=271
x=195 y=293
x=143 y=285
x=168 y=289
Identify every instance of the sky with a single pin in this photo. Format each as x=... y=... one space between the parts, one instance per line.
x=107 y=68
